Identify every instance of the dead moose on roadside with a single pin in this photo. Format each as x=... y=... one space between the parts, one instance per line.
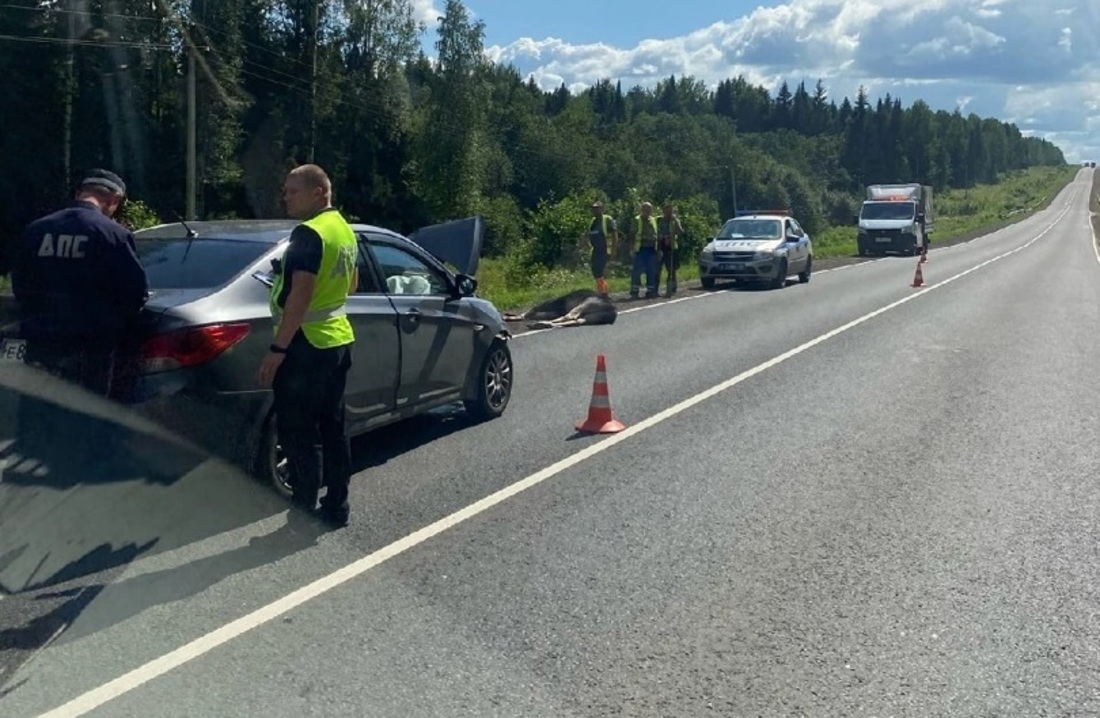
x=581 y=307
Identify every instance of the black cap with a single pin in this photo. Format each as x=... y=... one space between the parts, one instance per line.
x=104 y=178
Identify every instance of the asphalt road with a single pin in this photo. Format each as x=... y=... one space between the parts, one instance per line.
x=846 y=497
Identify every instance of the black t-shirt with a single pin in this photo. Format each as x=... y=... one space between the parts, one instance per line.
x=303 y=254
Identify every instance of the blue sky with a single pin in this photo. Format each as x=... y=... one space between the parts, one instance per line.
x=590 y=21
x=1035 y=63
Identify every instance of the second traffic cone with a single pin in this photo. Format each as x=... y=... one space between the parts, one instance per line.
x=924 y=254
x=918 y=278
x=601 y=420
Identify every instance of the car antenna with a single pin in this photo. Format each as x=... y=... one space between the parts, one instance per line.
x=191 y=234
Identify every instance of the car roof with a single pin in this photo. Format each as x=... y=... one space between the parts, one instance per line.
x=265 y=231
x=760 y=216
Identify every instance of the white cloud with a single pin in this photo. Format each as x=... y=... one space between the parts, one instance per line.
x=1016 y=60
x=425 y=11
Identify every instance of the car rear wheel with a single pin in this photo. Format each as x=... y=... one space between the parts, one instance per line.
x=269 y=464
x=494 y=383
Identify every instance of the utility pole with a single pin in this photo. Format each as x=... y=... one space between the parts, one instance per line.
x=192 y=129
x=70 y=90
x=313 y=80
x=733 y=188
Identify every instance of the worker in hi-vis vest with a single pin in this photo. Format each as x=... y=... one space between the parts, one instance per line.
x=669 y=232
x=308 y=361
x=643 y=243
x=601 y=237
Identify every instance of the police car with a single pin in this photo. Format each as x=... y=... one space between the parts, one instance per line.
x=757 y=246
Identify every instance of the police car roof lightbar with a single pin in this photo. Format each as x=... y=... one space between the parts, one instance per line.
x=743 y=212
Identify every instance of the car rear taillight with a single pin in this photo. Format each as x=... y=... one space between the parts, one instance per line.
x=190 y=347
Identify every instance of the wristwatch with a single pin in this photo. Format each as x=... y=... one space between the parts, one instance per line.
x=276 y=349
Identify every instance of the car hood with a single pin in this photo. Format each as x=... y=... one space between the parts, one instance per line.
x=753 y=245
x=457 y=242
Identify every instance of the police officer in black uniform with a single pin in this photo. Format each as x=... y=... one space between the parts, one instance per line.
x=79 y=284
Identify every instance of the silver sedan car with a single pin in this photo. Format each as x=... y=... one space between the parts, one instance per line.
x=423 y=337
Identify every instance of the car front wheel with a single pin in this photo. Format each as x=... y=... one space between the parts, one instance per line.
x=494 y=383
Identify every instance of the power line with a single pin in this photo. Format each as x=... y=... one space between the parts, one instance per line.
x=86 y=43
x=87 y=13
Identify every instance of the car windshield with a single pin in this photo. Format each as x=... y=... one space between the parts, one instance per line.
x=202 y=263
x=750 y=229
x=888 y=210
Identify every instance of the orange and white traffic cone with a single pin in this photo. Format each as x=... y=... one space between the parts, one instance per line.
x=918 y=278
x=601 y=420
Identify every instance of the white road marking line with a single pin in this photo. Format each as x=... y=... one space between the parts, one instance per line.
x=89 y=701
x=1092 y=227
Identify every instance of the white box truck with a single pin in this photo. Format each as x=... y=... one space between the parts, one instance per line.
x=895 y=218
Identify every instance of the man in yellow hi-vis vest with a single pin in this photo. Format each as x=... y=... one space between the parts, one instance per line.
x=669 y=232
x=308 y=361
x=601 y=240
x=643 y=242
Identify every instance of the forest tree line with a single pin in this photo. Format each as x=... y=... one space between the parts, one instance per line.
x=411 y=141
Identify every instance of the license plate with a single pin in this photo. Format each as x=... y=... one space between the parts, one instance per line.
x=727 y=266
x=13 y=350
x=883 y=240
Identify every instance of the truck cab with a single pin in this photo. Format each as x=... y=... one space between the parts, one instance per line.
x=895 y=218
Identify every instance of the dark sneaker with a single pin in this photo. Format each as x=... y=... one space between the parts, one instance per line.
x=337 y=517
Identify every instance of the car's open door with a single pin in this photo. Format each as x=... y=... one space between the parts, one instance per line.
x=457 y=242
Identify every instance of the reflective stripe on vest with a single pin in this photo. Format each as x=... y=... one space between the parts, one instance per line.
x=325 y=324
x=313 y=315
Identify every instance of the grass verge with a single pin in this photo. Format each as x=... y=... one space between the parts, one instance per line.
x=960 y=215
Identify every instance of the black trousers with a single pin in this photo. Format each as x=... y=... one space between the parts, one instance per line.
x=599 y=262
x=668 y=264
x=309 y=412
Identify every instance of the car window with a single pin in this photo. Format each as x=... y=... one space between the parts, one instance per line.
x=368 y=282
x=405 y=273
x=202 y=263
x=750 y=229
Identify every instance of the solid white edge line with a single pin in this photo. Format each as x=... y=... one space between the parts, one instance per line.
x=1088 y=218
x=137 y=677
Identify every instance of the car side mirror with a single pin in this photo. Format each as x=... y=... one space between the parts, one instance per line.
x=855 y=219
x=466 y=285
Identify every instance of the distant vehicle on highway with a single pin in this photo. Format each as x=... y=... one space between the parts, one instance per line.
x=895 y=218
x=757 y=246
x=423 y=339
